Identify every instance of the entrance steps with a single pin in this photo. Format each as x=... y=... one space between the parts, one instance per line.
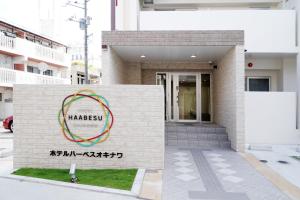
x=196 y=135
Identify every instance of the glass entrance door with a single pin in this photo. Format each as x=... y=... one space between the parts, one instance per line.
x=187 y=97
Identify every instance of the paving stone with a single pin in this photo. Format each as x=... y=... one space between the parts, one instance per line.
x=181 y=158
x=180 y=154
x=214 y=155
x=222 y=165
x=227 y=171
x=218 y=159
x=184 y=170
x=206 y=182
x=233 y=179
x=186 y=177
x=183 y=164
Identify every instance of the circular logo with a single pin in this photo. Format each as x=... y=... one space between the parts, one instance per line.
x=100 y=136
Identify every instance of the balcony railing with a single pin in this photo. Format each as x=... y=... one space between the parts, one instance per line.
x=9 y=77
x=7 y=42
x=48 y=53
x=36 y=51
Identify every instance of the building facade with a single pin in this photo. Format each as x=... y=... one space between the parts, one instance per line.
x=231 y=63
x=28 y=58
x=78 y=68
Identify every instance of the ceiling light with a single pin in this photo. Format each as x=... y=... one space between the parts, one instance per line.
x=193 y=56
x=143 y=56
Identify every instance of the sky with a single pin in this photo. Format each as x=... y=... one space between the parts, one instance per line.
x=33 y=15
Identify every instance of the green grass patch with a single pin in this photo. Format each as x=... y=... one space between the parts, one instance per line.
x=111 y=178
x=296 y=157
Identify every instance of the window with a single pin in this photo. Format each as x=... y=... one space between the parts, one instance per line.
x=258 y=84
x=48 y=72
x=0 y=97
x=32 y=69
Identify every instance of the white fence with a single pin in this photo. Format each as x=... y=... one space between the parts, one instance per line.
x=9 y=77
x=270 y=118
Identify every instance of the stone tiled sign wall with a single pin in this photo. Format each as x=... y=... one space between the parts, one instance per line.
x=137 y=132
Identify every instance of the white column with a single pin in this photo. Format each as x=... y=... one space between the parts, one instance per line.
x=298 y=91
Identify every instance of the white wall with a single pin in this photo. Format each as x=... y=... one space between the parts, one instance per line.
x=127 y=15
x=270 y=118
x=6 y=61
x=114 y=69
x=6 y=108
x=281 y=69
x=273 y=74
x=228 y=96
x=265 y=30
x=289 y=73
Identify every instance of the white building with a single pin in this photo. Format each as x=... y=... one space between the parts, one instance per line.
x=78 y=69
x=28 y=58
x=228 y=62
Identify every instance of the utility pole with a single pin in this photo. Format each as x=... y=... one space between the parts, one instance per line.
x=83 y=23
x=86 y=50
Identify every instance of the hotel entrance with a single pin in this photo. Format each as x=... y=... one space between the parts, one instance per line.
x=187 y=96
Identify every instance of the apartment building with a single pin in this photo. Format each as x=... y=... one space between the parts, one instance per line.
x=28 y=58
x=228 y=63
x=78 y=69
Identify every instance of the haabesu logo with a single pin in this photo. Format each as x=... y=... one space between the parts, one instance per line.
x=106 y=116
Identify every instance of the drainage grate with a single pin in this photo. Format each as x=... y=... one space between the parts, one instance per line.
x=263 y=161
x=282 y=162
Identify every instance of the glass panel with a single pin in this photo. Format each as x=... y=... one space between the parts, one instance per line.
x=161 y=79
x=172 y=98
x=187 y=97
x=259 y=84
x=205 y=98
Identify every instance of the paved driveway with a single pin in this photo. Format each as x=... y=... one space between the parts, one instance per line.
x=6 y=148
x=214 y=174
x=17 y=190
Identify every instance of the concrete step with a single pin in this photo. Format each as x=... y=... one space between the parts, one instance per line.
x=195 y=129
x=197 y=136
x=199 y=144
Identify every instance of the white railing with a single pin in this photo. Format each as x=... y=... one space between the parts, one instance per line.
x=48 y=53
x=33 y=50
x=7 y=42
x=9 y=77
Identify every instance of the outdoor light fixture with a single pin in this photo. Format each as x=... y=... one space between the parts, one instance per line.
x=72 y=173
x=143 y=56
x=193 y=56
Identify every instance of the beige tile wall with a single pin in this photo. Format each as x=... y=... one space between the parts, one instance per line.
x=228 y=96
x=138 y=130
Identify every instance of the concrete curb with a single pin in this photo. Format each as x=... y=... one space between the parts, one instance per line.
x=138 y=181
x=136 y=187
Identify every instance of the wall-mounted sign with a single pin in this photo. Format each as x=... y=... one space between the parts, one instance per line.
x=115 y=126
x=97 y=122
